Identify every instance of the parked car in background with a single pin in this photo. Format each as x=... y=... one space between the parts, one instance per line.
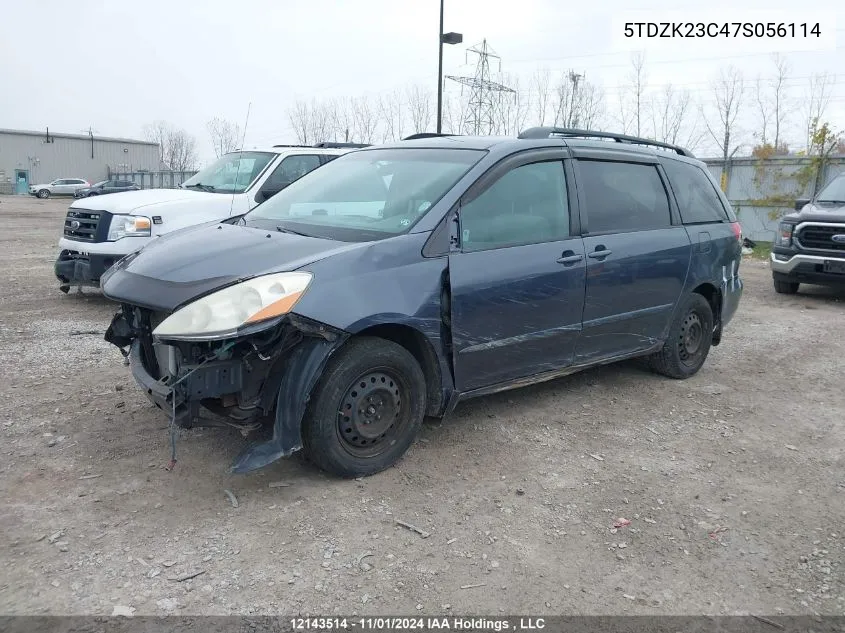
x=399 y=280
x=59 y=187
x=99 y=230
x=106 y=186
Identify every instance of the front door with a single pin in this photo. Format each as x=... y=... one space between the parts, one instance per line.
x=517 y=276
x=637 y=261
x=21 y=182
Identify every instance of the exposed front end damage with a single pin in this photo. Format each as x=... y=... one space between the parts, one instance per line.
x=240 y=380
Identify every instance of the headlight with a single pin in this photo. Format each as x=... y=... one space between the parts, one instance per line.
x=784 y=237
x=128 y=226
x=223 y=313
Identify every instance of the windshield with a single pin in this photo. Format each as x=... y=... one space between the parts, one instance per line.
x=835 y=190
x=98 y=184
x=366 y=195
x=231 y=173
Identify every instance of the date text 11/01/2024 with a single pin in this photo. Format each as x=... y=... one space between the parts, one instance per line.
x=724 y=29
x=433 y=623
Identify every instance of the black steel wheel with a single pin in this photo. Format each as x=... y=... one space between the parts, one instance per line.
x=373 y=412
x=366 y=409
x=689 y=340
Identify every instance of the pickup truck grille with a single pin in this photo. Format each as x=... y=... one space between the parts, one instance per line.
x=81 y=225
x=820 y=237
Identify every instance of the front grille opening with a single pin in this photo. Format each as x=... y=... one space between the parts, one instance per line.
x=821 y=237
x=82 y=225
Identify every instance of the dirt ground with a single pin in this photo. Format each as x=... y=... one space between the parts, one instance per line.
x=734 y=481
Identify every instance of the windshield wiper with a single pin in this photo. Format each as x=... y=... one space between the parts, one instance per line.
x=284 y=229
x=832 y=201
x=199 y=185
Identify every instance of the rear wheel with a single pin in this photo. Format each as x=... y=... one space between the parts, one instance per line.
x=366 y=410
x=689 y=340
x=43 y=193
x=785 y=287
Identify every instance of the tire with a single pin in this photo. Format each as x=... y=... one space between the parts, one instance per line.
x=362 y=443
x=786 y=287
x=43 y=194
x=689 y=340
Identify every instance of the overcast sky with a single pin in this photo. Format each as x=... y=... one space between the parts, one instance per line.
x=119 y=65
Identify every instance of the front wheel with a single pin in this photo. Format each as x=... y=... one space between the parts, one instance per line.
x=785 y=287
x=688 y=343
x=366 y=410
x=43 y=193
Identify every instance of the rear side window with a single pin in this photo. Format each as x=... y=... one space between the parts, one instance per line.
x=623 y=197
x=698 y=201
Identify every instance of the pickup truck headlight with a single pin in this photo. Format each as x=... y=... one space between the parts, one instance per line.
x=128 y=226
x=784 y=237
x=224 y=313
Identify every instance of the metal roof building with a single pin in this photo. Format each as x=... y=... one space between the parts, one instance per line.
x=28 y=157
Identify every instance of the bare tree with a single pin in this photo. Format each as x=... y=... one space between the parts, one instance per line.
x=342 y=120
x=225 y=135
x=391 y=111
x=511 y=108
x=177 y=148
x=320 y=123
x=453 y=109
x=541 y=85
x=420 y=109
x=632 y=99
x=300 y=120
x=817 y=100
x=670 y=112
x=772 y=103
x=727 y=100
x=579 y=103
x=365 y=120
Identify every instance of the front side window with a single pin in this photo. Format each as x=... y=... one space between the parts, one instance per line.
x=366 y=194
x=291 y=169
x=231 y=173
x=622 y=197
x=697 y=199
x=528 y=205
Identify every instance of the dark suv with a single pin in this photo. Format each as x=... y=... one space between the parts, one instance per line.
x=399 y=280
x=106 y=186
x=810 y=244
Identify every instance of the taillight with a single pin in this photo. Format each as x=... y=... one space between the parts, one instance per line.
x=737 y=229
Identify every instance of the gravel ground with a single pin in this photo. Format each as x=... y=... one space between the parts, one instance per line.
x=733 y=481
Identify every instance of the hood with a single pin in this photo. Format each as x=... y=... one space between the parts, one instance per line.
x=815 y=212
x=129 y=201
x=184 y=265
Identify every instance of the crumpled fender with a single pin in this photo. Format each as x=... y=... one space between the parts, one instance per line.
x=304 y=366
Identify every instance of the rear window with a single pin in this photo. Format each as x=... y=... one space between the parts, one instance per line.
x=697 y=199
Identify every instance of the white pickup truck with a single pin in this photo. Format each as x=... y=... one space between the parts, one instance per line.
x=100 y=230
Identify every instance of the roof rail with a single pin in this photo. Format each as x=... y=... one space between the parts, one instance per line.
x=332 y=144
x=414 y=137
x=291 y=145
x=546 y=132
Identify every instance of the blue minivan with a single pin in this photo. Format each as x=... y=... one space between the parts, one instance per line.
x=398 y=280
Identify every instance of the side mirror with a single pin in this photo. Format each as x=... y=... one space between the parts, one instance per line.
x=800 y=203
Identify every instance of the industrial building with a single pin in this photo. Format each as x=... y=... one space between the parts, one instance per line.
x=28 y=157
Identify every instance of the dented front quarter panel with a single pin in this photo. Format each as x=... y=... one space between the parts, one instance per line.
x=302 y=370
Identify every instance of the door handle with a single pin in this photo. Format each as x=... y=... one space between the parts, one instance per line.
x=599 y=253
x=568 y=258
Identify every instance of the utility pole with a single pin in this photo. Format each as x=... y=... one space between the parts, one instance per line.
x=574 y=78
x=481 y=107
x=443 y=38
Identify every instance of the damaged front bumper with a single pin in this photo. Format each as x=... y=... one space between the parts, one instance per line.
x=243 y=380
x=75 y=268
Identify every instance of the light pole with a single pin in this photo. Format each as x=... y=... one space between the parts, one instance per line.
x=444 y=38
